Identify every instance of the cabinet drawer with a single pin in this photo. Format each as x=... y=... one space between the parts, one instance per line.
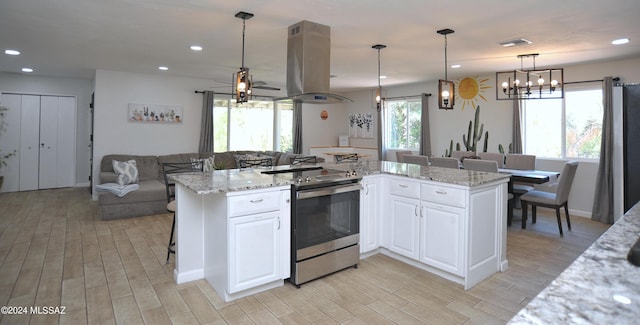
x=254 y=203
x=442 y=194
x=404 y=188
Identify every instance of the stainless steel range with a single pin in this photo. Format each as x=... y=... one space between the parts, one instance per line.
x=325 y=220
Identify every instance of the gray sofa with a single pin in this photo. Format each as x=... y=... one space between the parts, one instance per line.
x=151 y=197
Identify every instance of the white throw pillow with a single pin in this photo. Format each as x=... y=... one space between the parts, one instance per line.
x=208 y=164
x=127 y=171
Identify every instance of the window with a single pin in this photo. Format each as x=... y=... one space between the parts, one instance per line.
x=250 y=126
x=402 y=124
x=565 y=128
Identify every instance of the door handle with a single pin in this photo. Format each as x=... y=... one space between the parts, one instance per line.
x=278 y=223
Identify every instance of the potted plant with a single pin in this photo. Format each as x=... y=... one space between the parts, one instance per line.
x=4 y=156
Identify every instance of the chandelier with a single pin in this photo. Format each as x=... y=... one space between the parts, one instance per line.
x=379 y=90
x=446 y=88
x=242 y=81
x=529 y=84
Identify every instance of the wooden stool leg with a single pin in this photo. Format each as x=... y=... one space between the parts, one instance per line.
x=171 y=243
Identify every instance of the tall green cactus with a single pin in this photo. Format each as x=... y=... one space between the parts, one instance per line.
x=486 y=141
x=447 y=153
x=470 y=141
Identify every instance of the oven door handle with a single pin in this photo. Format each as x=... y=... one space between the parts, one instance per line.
x=306 y=194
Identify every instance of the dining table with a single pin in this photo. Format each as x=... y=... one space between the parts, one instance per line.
x=528 y=177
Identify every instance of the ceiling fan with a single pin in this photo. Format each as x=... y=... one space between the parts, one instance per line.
x=255 y=85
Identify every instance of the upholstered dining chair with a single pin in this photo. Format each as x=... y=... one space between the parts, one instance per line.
x=447 y=162
x=495 y=156
x=416 y=159
x=401 y=153
x=554 y=200
x=520 y=161
x=481 y=165
x=255 y=162
x=175 y=168
x=299 y=160
x=347 y=157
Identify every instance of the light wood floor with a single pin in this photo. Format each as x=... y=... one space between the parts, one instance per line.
x=55 y=251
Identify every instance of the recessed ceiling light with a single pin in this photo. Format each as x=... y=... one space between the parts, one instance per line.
x=196 y=48
x=620 y=41
x=12 y=52
x=163 y=68
x=27 y=70
x=455 y=66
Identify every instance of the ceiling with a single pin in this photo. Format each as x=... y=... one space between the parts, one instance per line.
x=73 y=38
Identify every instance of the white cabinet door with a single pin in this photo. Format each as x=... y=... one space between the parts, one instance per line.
x=29 y=142
x=66 y=153
x=369 y=214
x=48 y=142
x=285 y=232
x=441 y=237
x=254 y=250
x=404 y=226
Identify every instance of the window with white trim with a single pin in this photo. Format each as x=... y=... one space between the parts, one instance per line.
x=403 y=124
x=255 y=125
x=570 y=127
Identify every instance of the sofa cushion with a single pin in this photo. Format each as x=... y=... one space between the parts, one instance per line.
x=127 y=171
x=148 y=167
x=208 y=164
x=225 y=160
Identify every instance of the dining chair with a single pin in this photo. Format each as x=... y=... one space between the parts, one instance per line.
x=554 y=200
x=170 y=186
x=458 y=154
x=401 y=153
x=348 y=157
x=495 y=156
x=299 y=160
x=416 y=159
x=520 y=161
x=446 y=162
x=255 y=162
x=481 y=165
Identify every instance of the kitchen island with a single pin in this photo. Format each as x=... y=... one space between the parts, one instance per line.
x=216 y=240
x=599 y=287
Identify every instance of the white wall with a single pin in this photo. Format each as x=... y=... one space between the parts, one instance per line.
x=319 y=132
x=115 y=134
x=79 y=88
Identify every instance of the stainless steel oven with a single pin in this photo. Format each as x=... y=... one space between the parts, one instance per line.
x=325 y=229
x=325 y=220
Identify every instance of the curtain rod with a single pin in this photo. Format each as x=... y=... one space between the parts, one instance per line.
x=583 y=81
x=406 y=97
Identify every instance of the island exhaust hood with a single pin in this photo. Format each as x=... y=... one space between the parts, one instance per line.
x=308 y=64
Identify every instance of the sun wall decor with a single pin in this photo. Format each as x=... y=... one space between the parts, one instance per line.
x=470 y=90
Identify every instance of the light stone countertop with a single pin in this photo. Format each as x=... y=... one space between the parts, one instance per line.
x=232 y=180
x=599 y=287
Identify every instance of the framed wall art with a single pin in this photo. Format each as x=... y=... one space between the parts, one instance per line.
x=152 y=113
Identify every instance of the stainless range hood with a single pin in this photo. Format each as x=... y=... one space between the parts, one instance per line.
x=308 y=64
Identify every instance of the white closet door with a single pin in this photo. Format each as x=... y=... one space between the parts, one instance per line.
x=66 y=142
x=10 y=141
x=48 y=142
x=29 y=142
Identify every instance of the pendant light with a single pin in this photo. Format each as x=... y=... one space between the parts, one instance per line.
x=379 y=90
x=446 y=88
x=535 y=84
x=242 y=85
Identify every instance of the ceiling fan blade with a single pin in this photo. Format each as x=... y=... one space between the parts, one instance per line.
x=265 y=87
